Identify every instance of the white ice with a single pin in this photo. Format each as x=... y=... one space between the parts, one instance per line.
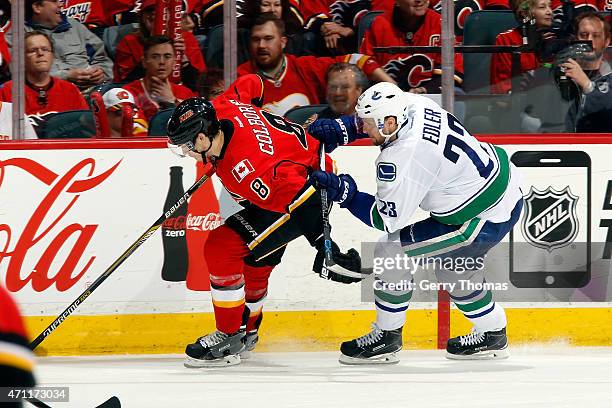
x=548 y=376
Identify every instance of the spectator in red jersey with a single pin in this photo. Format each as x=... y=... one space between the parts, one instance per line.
x=410 y=23
x=130 y=49
x=17 y=362
x=115 y=100
x=79 y=54
x=154 y=91
x=345 y=83
x=291 y=81
x=44 y=94
x=5 y=59
x=501 y=63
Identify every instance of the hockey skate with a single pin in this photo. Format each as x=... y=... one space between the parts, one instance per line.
x=478 y=346
x=250 y=340
x=377 y=347
x=216 y=349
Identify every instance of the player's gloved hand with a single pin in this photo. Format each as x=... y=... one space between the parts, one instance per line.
x=337 y=132
x=347 y=268
x=340 y=188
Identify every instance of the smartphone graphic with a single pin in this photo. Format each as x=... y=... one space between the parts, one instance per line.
x=550 y=246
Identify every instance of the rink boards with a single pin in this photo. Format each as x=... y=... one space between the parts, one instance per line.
x=69 y=209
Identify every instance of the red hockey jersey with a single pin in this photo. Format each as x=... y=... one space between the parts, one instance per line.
x=61 y=96
x=16 y=358
x=410 y=70
x=100 y=13
x=501 y=63
x=267 y=159
x=303 y=81
x=130 y=51
x=148 y=105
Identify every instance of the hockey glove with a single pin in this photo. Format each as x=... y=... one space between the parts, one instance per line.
x=337 y=132
x=340 y=188
x=347 y=268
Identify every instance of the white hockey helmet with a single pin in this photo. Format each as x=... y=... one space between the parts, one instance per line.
x=381 y=101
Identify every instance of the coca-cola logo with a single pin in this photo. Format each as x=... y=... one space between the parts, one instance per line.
x=206 y=222
x=43 y=225
x=174 y=223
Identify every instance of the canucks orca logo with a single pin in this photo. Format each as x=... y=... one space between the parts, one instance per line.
x=376 y=96
x=550 y=219
x=386 y=171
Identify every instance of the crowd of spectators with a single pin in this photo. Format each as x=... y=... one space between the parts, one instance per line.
x=307 y=52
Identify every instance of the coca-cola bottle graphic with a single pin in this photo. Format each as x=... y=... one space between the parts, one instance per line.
x=202 y=217
x=174 y=232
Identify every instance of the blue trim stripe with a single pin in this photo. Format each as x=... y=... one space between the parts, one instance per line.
x=489 y=310
x=389 y=309
x=468 y=297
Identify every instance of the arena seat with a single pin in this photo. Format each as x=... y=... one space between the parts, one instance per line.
x=481 y=28
x=157 y=124
x=364 y=25
x=75 y=124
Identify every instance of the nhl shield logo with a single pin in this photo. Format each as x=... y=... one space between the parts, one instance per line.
x=550 y=219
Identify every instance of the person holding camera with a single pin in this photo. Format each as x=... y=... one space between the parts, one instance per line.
x=591 y=109
x=535 y=18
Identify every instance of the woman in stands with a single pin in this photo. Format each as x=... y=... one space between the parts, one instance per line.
x=130 y=51
x=537 y=17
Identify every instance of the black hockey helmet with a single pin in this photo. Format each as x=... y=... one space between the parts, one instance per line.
x=191 y=117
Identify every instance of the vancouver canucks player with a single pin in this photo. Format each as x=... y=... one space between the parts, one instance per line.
x=471 y=191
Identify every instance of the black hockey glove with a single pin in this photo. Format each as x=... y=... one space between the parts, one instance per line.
x=347 y=268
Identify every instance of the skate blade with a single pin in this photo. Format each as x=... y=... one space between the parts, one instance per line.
x=389 y=358
x=245 y=355
x=226 y=361
x=483 y=355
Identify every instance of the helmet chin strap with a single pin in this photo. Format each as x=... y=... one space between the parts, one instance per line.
x=203 y=153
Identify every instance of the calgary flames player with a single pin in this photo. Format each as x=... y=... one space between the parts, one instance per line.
x=264 y=161
x=16 y=358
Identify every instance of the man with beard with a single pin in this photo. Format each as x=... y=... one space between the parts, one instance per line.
x=591 y=110
x=291 y=81
x=411 y=22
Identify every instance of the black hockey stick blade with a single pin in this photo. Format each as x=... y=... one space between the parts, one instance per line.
x=146 y=235
x=112 y=402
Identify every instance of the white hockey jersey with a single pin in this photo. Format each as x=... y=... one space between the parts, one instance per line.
x=437 y=165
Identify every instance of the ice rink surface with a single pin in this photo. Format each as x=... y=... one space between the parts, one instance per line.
x=548 y=376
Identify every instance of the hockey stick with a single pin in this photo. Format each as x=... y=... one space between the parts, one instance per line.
x=72 y=307
x=112 y=402
x=327 y=242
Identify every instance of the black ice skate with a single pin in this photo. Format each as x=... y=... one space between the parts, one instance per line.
x=216 y=349
x=478 y=346
x=377 y=347
x=250 y=339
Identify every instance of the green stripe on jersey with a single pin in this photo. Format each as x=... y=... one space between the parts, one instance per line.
x=484 y=200
x=393 y=299
x=447 y=243
x=377 y=221
x=479 y=304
